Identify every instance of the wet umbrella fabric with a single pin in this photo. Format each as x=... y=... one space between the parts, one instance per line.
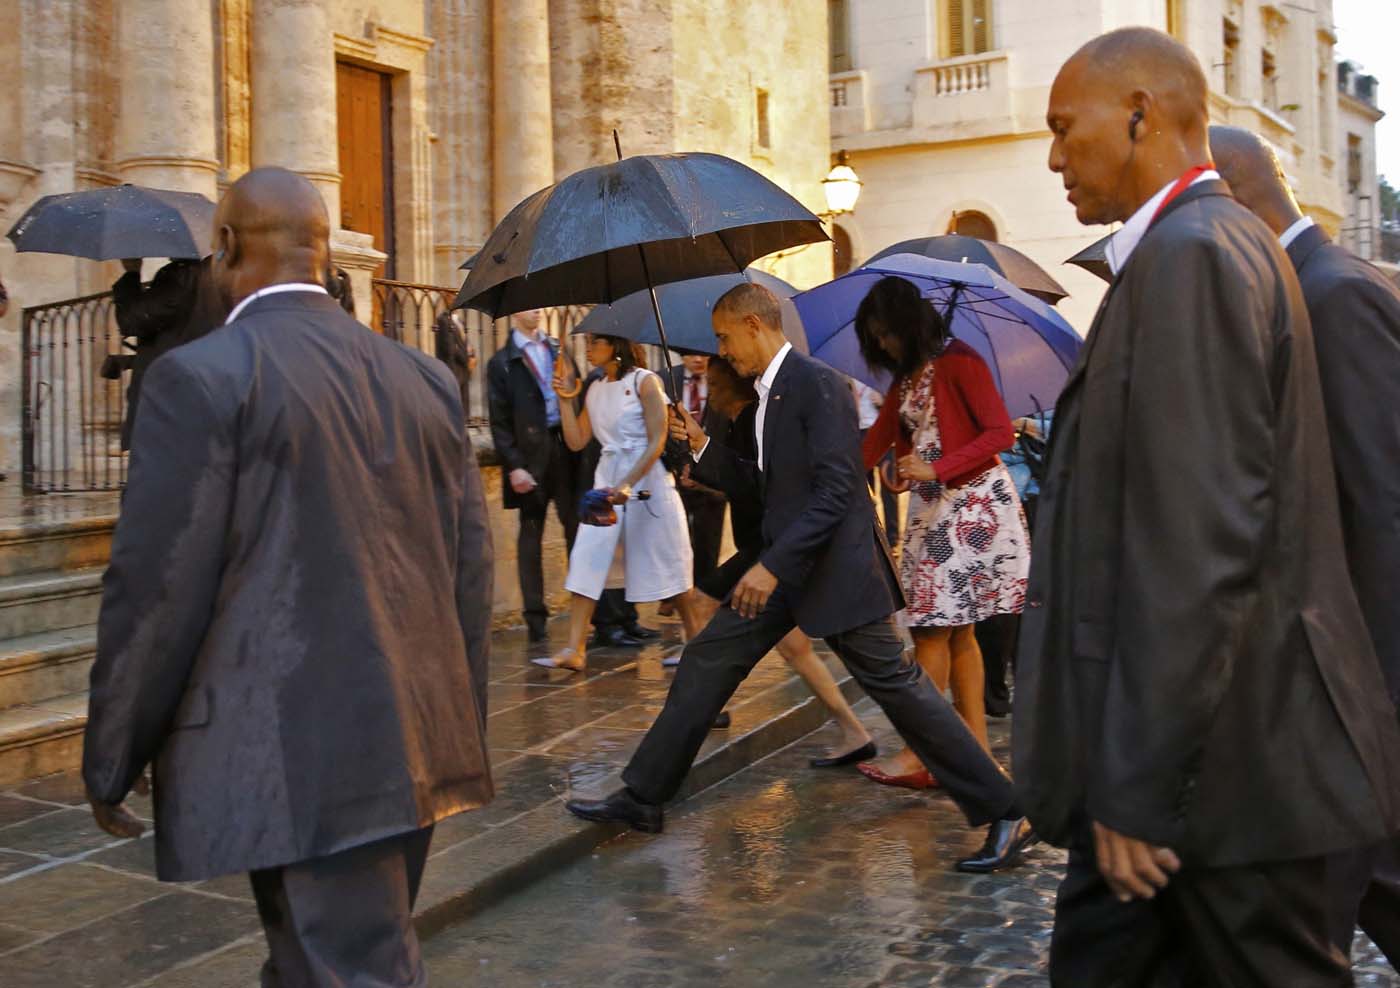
x=1094 y=259
x=1027 y=345
x=685 y=308
x=117 y=222
x=1006 y=261
x=581 y=241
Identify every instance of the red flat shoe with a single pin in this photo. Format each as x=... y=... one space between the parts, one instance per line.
x=922 y=779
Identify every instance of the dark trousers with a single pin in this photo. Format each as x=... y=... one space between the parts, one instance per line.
x=717 y=660
x=704 y=513
x=1252 y=926
x=557 y=485
x=996 y=637
x=1365 y=889
x=345 y=919
x=614 y=610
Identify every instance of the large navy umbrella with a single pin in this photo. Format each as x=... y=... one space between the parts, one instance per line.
x=609 y=231
x=121 y=221
x=1006 y=261
x=1026 y=344
x=685 y=308
x=1094 y=259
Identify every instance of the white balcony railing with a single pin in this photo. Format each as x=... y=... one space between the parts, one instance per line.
x=850 y=111
x=963 y=77
x=972 y=92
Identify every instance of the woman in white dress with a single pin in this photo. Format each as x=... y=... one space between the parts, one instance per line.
x=647 y=552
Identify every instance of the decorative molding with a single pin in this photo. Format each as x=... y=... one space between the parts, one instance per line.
x=402 y=39
x=97 y=177
x=168 y=161
x=14 y=176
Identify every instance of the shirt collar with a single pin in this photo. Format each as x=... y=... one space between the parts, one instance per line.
x=765 y=383
x=1122 y=244
x=1294 y=231
x=289 y=286
x=523 y=339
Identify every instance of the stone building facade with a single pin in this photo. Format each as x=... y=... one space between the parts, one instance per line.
x=941 y=107
x=1358 y=114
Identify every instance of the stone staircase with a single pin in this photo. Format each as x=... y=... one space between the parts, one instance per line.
x=50 y=588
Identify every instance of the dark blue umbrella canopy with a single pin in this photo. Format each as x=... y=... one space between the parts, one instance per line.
x=1027 y=345
x=686 y=308
x=1006 y=261
x=581 y=240
x=122 y=221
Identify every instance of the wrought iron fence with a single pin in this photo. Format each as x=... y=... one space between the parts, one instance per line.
x=72 y=417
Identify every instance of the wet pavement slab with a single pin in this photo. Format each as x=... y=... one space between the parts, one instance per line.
x=79 y=907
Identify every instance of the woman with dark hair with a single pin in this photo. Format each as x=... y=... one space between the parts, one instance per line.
x=647 y=551
x=966 y=552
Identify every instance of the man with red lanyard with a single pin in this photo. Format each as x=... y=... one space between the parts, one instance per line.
x=1200 y=717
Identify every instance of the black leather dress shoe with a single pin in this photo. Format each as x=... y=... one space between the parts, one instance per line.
x=864 y=753
x=620 y=807
x=536 y=630
x=722 y=722
x=615 y=638
x=1006 y=839
x=637 y=631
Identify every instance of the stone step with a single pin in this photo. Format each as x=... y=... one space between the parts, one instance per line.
x=55 y=545
x=31 y=603
x=41 y=738
x=35 y=668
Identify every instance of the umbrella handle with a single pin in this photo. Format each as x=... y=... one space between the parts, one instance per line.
x=570 y=395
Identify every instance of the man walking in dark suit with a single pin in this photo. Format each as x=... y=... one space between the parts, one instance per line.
x=704 y=509
x=294 y=626
x=824 y=568
x=1355 y=315
x=1201 y=718
x=536 y=466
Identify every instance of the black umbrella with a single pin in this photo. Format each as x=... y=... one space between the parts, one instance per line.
x=606 y=232
x=1094 y=259
x=1006 y=261
x=117 y=222
x=686 y=308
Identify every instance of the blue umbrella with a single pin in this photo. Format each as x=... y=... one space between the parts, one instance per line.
x=1027 y=345
x=685 y=309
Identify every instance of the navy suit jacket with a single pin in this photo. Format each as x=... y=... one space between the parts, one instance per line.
x=820 y=537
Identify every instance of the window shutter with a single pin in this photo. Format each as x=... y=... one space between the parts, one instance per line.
x=957 y=29
x=981 y=26
x=838 y=20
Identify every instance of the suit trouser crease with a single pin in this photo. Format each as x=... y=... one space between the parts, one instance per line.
x=721 y=656
x=345 y=919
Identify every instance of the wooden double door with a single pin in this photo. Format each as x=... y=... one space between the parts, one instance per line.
x=364 y=110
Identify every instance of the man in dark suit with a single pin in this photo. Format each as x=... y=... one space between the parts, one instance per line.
x=294 y=627
x=1355 y=315
x=1201 y=719
x=824 y=568
x=704 y=508
x=536 y=466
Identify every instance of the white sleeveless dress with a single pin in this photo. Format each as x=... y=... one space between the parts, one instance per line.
x=648 y=551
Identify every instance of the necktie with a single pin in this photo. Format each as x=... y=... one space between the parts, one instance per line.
x=694 y=402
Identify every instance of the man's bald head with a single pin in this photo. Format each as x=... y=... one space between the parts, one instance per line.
x=1249 y=164
x=1128 y=115
x=271 y=227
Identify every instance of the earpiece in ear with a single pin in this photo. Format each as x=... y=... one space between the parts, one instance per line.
x=1133 y=122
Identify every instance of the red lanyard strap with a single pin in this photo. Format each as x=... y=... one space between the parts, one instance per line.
x=1180 y=186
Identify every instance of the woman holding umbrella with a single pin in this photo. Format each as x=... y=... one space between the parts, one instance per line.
x=647 y=551
x=966 y=551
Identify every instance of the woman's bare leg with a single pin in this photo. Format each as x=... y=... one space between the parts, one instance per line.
x=691 y=622
x=580 y=614
x=932 y=652
x=796 y=650
x=969 y=682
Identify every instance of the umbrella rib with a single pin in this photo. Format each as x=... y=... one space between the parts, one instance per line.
x=730 y=251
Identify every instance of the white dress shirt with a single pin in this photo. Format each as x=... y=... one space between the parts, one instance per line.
x=287 y=286
x=1292 y=233
x=1122 y=244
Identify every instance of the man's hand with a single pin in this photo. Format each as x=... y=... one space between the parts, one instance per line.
x=131 y=264
x=1134 y=869
x=684 y=427
x=521 y=482
x=752 y=591
x=115 y=818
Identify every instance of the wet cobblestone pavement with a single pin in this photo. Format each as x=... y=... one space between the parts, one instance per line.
x=786 y=877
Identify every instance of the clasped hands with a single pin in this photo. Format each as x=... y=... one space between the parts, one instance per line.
x=1133 y=868
x=913 y=467
x=115 y=818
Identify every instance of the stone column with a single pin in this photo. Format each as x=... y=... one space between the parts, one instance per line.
x=460 y=66
x=522 y=119
x=294 y=106
x=165 y=117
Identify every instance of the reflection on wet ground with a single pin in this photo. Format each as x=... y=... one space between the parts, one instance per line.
x=783 y=877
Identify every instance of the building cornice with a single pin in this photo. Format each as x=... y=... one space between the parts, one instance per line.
x=1350 y=102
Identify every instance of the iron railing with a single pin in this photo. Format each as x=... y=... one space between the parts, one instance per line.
x=72 y=418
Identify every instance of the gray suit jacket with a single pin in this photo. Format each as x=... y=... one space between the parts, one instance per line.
x=1193 y=667
x=294 y=627
x=1355 y=312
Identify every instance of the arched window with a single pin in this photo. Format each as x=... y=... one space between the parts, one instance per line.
x=842 y=259
x=971 y=223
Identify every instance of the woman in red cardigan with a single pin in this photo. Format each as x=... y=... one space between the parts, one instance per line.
x=966 y=549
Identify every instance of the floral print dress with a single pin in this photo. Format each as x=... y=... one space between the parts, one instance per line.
x=966 y=554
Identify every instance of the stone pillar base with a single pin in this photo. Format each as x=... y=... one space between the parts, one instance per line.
x=355 y=253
